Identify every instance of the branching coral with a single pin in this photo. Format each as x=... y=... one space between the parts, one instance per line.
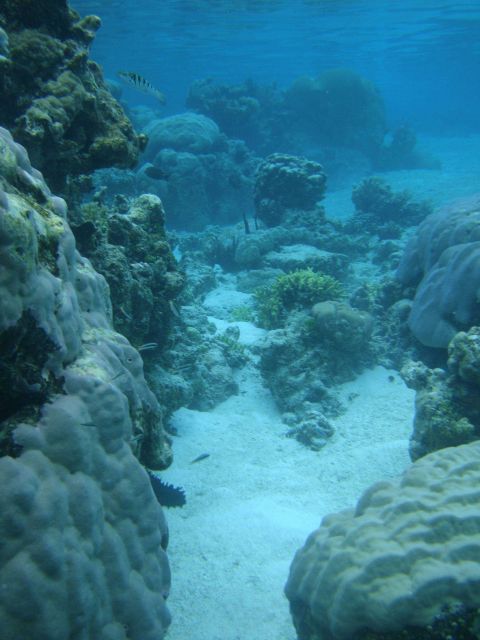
x=299 y=289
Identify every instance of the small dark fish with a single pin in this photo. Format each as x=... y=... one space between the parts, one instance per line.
x=245 y=223
x=202 y=456
x=155 y=172
x=137 y=81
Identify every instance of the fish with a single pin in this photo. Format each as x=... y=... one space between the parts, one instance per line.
x=137 y=81
x=202 y=456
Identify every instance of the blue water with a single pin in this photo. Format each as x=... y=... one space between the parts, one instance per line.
x=424 y=56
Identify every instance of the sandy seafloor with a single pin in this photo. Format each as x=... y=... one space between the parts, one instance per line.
x=253 y=501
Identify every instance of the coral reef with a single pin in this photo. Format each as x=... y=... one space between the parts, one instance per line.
x=248 y=111
x=337 y=118
x=442 y=261
x=197 y=371
x=383 y=211
x=400 y=152
x=83 y=536
x=54 y=99
x=296 y=290
x=287 y=182
x=339 y=108
x=127 y=244
x=303 y=361
x=202 y=177
x=447 y=407
x=407 y=551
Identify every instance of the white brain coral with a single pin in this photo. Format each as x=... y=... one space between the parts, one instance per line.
x=408 y=548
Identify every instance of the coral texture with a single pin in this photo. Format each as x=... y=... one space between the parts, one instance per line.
x=248 y=111
x=443 y=261
x=339 y=107
x=83 y=537
x=408 y=549
x=189 y=132
x=202 y=177
x=54 y=99
x=375 y=198
x=287 y=182
x=447 y=405
x=127 y=244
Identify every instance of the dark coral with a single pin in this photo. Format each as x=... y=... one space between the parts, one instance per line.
x=131 y=250
x=287 y=182
x=384 y=211
x=54 y=99
x=248 y=111
x=339 y=108
x=453 y=623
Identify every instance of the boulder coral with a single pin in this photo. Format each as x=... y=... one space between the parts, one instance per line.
x=337 y=324
x=442 y=262
x=391 y=565
x=189 y=132
x=83 y=537
x=54 y=98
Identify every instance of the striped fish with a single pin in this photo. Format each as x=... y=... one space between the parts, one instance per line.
x=139 y=82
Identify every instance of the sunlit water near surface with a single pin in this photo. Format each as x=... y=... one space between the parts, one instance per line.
x=423 y=55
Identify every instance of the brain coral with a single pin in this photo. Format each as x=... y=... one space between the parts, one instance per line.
x=407 y=549
x=82 y=536
x=189 y=132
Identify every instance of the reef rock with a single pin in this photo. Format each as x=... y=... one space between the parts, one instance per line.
x=54 y=99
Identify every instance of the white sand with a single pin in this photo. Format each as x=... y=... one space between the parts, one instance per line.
x=457 y=177
x=252 y=503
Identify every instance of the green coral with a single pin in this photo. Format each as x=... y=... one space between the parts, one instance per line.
x=242 y=314
x=296 y=290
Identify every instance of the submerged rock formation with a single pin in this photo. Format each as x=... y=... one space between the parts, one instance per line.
x=83 y=536
x=54 y=98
